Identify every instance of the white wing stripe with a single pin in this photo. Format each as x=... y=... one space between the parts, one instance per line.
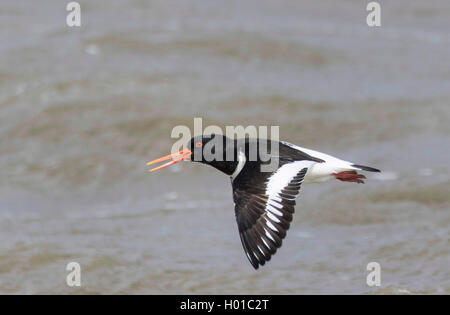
x=271 y=226
x=276 y=183
x=272 y=217
x=283 y=176
x=268 y=235
x=265 y=243
x=275 y=198
x=274 y=210
x=262 y=252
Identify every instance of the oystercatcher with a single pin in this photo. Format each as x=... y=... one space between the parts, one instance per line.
x=264 y=198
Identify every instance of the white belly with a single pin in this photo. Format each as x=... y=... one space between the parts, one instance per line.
x=319 y=172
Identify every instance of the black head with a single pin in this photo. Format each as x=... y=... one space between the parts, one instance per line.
x=215 y=150
x=206 y=148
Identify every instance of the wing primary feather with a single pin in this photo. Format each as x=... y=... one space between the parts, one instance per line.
x=264 y=214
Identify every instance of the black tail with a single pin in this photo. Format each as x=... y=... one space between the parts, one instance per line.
x=366 y=168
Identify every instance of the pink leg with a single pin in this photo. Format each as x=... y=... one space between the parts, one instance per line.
x=350 y=176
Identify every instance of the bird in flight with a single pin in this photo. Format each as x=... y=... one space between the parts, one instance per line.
x=266 y=176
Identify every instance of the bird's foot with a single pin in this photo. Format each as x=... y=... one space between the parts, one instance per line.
x=350 y=176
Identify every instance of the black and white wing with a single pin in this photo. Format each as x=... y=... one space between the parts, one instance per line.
x=264 y=205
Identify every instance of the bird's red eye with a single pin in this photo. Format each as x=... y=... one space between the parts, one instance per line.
x=198 y=144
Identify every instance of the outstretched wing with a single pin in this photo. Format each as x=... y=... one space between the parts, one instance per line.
x=264 y=205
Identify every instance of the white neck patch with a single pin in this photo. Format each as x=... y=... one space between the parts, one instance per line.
x=241 y=162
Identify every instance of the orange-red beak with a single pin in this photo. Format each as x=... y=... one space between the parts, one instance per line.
x=176 y=157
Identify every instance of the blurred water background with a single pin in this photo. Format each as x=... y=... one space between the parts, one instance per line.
x=83 y=109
